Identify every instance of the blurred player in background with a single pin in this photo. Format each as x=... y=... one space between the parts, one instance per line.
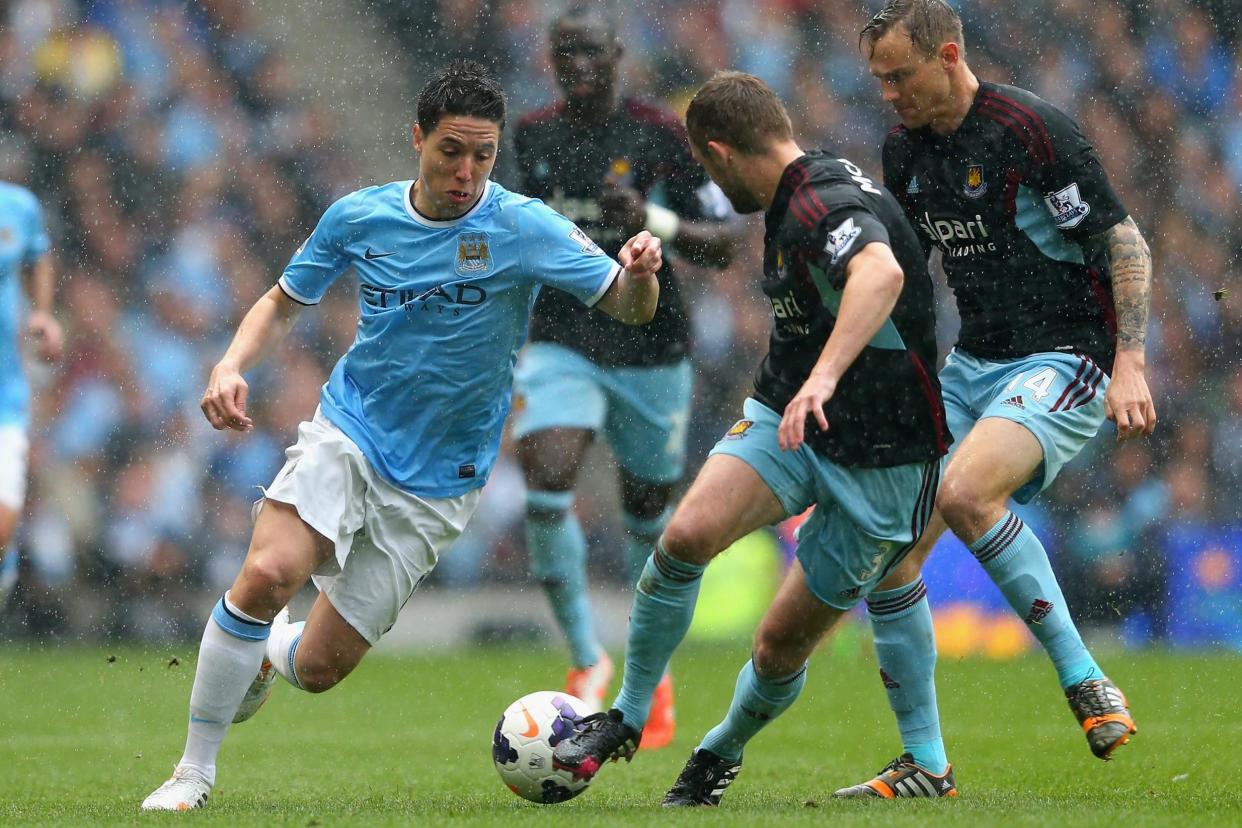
x=846 y=415
x=615 y=166
x=388 y=472
x=25 y=268
x=1052 y=280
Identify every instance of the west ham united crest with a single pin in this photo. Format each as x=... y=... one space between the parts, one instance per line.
x=474 y=255
x=975 y=185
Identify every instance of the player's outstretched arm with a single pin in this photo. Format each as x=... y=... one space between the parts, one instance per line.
x=263 y=328
x=1128 y=401
x=41 y=324
x=873 y=283
x=635 y=292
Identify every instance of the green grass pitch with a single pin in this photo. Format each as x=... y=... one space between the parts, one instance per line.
x=406 y=740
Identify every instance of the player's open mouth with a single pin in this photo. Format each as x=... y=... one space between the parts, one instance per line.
x=459 y=196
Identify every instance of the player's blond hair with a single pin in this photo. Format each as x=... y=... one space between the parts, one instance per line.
x=739 y=110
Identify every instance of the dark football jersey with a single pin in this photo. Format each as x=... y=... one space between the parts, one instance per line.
x=565 y=164
x=1015 y=199
x=887 y=409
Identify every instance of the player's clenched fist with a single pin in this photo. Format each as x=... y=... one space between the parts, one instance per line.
x=224 y=401
x=642 y=255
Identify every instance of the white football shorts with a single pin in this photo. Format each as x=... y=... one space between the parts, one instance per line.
x=13 y=449
x=387 y=539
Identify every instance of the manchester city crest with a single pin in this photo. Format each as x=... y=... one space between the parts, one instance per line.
x=975 y=185
x=474 y=255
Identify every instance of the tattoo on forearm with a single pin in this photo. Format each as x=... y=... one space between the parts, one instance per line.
x=1130 y=262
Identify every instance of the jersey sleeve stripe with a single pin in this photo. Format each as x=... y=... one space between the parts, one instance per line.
x=294 y=295
x=1032 y=122
x=599 y=294
x=819 y=205
x=1019 y=128
x=799 y=211
x=1036 y=136
x=1036 y=121
x=810 y=209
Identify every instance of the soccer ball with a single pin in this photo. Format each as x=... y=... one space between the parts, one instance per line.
x=522 y=746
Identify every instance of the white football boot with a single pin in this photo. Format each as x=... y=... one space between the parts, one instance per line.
x=263 y=683
x=591 y=683
x=187 y=788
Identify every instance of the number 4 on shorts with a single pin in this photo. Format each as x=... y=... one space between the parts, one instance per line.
x=1040 y=383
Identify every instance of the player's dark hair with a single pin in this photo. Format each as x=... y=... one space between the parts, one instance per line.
x=586 y=15
x=739 y=110
x=464 y=87
x=929 y=23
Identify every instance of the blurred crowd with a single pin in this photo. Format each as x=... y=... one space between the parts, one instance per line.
x=180 y=157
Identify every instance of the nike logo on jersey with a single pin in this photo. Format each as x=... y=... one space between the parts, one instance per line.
x=371 y=255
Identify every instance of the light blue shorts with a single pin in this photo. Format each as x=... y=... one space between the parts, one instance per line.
x=643 y=412
x=1058 y=397
x=865 y=520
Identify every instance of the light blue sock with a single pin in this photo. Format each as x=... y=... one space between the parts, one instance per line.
x=663 y=607
x=641 y=536
x=756 y=702
x=558 y=553
x=905 y=646
x=8 y=576
x=1018 y=564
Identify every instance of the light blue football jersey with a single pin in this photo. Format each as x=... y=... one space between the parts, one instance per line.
x=23 y=239
x=444 y=307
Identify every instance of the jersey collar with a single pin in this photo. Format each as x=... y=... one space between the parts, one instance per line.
x=407 y=199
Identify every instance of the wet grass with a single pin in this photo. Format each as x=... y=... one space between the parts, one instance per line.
x=406 y=740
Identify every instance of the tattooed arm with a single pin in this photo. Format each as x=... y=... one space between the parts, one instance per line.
x=1128 y=402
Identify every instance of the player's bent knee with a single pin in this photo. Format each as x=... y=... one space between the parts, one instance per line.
x=960 y=501
x=689 y=541
x=776 y=657
x=644 y=501
x=268 y=580
x=319 y=672
x=319 y=678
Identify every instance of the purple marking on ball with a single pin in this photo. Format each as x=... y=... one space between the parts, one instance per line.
x=502 y=752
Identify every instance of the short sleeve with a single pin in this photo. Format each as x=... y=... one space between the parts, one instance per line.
x=555 y=252
x=838 y=238
x=320 y=260
x=1075 y=187
x=38 y=242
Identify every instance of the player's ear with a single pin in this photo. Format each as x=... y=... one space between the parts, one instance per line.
x=950 y=54
x=718 y=152
x=417 y=138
